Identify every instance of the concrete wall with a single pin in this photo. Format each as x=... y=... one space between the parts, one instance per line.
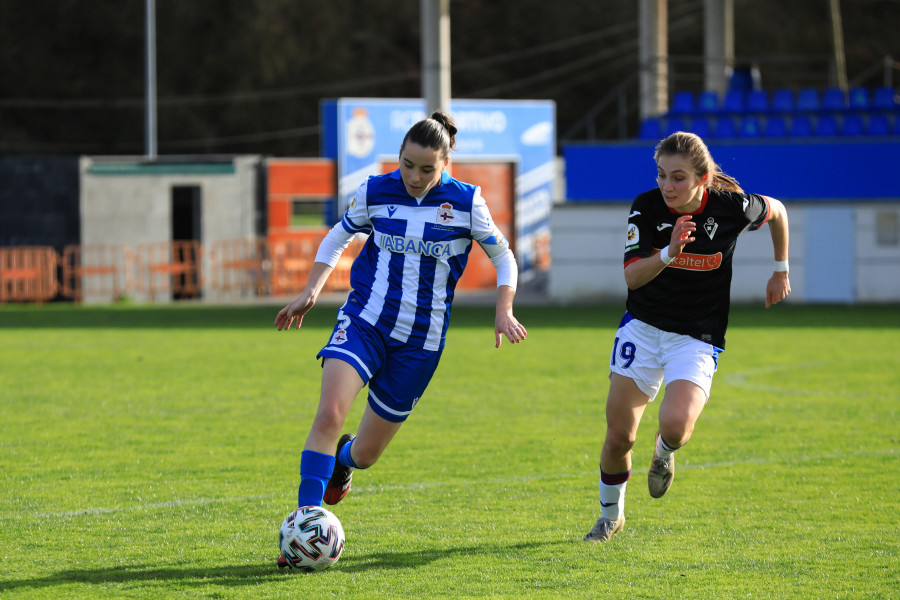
x=833 y=249
x=127 y=202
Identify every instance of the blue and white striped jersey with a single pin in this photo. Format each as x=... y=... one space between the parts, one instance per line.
x=404 y=278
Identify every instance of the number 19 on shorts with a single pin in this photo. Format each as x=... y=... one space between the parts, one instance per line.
x=625 y=353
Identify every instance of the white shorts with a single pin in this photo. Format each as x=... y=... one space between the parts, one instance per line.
x=649 y=355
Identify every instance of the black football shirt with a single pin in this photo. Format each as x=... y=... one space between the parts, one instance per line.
x=692 y=295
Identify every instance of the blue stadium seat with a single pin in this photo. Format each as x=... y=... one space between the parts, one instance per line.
x=885 y=98
x=724 y=127
x=750 y=127
x=852 y=125
x=701 y=126
x=776 y=126
x=783 y=100
x=826 y=126
x=674 y=124
x=651 y=129
x=758 y=101
x=808 y=100
x=879 y=124
x=834 y=100
x=734 y=101
x=801 y=126
x=858 y=98
x=707 y=102
x=682 y=103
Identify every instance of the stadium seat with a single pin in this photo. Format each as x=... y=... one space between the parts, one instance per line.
x=801 y=126
x=885 y=98
x=651 y=129
x=682 y=103
x=834 y=100
x=879 y=124
x=783 y=100
x=674 y=124
x=852 y=125
x=808 y=100
x=700 y=126
x=750 y=127
x=858 y=98
x=826 y=126
x=776 y=126
x=758 y=101
x=734 y=102
x=707 y=102
x=724 y=127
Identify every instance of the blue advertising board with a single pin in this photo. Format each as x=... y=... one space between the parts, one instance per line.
x=361 y=133
x=818 y=171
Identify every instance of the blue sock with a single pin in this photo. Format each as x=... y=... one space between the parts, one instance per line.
x=315 y=471
x=344 y=455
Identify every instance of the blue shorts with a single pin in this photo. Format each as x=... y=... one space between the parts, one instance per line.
x=396 y=372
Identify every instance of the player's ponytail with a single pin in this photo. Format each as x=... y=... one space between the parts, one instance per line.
x=437 y=132
x=692 y=148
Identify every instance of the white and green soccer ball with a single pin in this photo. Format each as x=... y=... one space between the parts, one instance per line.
x=311 y=538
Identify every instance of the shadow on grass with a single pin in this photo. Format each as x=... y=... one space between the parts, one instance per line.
x=262 y=318
x=240 y=575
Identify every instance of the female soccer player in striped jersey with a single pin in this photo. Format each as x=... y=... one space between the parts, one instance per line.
x=678 y=250
x=391 y=331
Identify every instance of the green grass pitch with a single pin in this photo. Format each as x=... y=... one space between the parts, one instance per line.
x=152 y=452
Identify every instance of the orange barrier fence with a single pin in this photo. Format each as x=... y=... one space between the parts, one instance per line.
x=167 y=270
x=240 y=267
x=28 y=274
x=103 y=272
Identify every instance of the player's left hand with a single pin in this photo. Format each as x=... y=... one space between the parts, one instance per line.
x=778 y=288
x=508 y=325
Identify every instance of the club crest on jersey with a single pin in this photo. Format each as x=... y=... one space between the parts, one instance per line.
x=632 y=236
x=339 y=337
x=710 y=227
x=445 y=213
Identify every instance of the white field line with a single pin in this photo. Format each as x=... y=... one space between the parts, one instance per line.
x=375 y=489
x=743 y=379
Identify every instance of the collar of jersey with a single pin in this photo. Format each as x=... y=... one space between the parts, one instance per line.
x=699 y=209
x=445 y=178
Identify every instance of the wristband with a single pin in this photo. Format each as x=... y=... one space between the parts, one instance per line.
x=781 y=266
x=664 y=255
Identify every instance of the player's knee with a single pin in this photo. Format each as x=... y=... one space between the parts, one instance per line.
x=329 y=420
x=618 y=443
x=676 y=433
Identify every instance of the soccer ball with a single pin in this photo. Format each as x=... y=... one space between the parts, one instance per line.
x=311 y=538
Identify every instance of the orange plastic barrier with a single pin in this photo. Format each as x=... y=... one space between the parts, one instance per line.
x=28 y=274
x=240 y=267
x=101 y=272
x=169 y=268
x=292 y=259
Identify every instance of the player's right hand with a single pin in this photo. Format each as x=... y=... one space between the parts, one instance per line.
x=682 y=233
x=295 y=310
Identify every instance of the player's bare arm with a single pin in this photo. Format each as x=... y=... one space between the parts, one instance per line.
x=505 y=322
x=779 y=285
x=307 y=298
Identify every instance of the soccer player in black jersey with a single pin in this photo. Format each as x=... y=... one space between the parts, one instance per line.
x=678 y=252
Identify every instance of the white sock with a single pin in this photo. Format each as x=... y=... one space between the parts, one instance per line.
x=663 y=450
x=612 y=500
